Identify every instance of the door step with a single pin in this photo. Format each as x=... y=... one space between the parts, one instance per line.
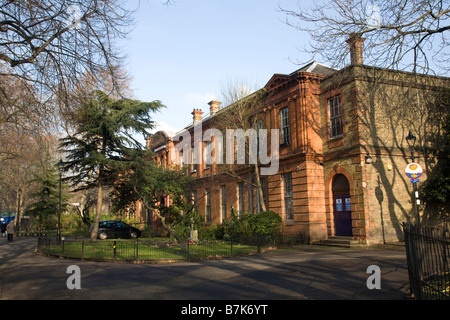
x=340 y=241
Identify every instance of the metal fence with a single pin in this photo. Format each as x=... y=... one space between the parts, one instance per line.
x=428 y=256
x=140 y=250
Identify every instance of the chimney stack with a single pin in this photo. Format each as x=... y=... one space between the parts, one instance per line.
x=356 y=48
x=214 y=106
x=197 y=113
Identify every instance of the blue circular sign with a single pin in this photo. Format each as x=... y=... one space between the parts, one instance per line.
x=413 y=170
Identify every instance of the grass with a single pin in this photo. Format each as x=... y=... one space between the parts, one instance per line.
x=437 y=287
x=144 y=250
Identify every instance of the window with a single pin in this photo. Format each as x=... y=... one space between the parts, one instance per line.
x=284 y=115
x=181 y=155
x=241 y=197
x=251 y=189
x=335 y=111
x=194 y=157
x=207 y=154
x=208 y=205
x=288 y=198
x=223 y=202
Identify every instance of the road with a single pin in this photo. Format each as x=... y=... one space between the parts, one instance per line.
x=296 y=273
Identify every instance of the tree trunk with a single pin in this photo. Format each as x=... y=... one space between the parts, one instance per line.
x=171 y=232
x=98 y=212
x=259 y=189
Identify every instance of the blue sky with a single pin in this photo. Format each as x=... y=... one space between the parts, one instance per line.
x=184 y=54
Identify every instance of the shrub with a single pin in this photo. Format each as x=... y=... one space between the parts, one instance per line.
x=264 y=223
x=190 y=221
x=213 y=232
x=250 y=226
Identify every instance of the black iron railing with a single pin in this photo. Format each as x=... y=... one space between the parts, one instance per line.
x=139 y=250
x=428 y=256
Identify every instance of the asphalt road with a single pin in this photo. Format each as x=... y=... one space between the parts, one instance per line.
x=296 y=273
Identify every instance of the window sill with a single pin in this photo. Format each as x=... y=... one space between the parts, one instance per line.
x=335 y=142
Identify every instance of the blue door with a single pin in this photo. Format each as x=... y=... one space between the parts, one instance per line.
x=342 y=215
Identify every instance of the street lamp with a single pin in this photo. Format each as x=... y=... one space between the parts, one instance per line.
x=411 y=140
x=19 y=193
x=58 y=231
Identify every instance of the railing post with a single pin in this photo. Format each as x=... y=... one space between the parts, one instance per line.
x=137 y=250
x=114 y=250
x=82 y=250
x=188 y=256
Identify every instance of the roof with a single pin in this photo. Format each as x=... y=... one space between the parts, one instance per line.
x=317 y=68
x=313 y=67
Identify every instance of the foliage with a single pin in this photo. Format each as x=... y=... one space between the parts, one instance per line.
x=45 y=203
x=436 y=191
x=104 y=144
x=214 y=232
x=251 y=226
x=105 y=137
x=190 y=221
x=72 y=222
x=154 y=185
x=264 y=223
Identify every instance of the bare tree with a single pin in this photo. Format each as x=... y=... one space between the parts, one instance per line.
x=50 y=44
x=243 y=104
x=400 y=34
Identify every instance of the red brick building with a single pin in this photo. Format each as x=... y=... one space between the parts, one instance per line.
x=342 y=151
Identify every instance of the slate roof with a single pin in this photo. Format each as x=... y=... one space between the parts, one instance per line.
x=317 y=68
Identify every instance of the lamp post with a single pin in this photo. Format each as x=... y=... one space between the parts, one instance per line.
x=58 y=230
x=19 y=193
x=411 y=140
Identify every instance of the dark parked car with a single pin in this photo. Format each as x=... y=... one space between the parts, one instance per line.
x=117 y=230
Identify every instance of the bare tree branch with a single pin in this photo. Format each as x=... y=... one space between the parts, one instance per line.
x=51 y=44
x=405 y=35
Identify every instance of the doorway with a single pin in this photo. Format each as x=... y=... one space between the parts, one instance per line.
x=342 y=206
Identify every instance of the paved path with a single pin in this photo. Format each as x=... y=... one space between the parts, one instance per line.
x=300 y=273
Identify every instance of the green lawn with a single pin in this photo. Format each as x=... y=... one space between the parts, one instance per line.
x=144 y=250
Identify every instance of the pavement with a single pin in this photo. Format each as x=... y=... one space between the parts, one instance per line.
x=301 y=272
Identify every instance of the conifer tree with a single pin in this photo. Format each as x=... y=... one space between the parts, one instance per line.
x=45 y=199
x=104 y=142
